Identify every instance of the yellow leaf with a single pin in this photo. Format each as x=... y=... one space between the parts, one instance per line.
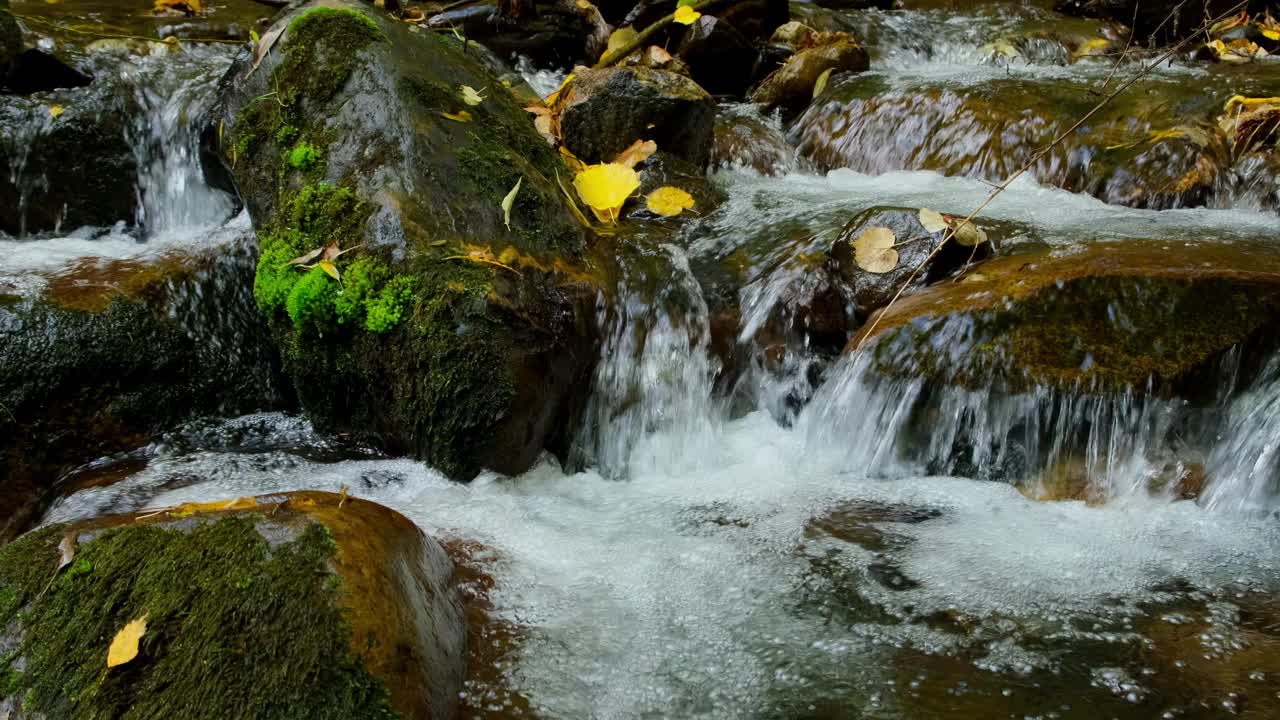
x=330 y=269
x=186 y=7
x=968 y=234
x=1096 y=46
x=821 y=83
x=686 y=15
x=638 y=152
x=460 y=116
x=618 y=39
x=668 y=201
x=932 y=221
x=873 y=250
x=555 y=95
x=571 y=160
x=253 y=37
x=584 y=4
x=55 y=111
x=124 y=647
x=605 y=187
x=508 y=200
x=342 y=496
x=471 y=96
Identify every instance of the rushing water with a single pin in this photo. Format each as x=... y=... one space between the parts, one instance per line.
x=850 y=545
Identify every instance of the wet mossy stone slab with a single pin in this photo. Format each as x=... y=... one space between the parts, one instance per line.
x=302 y=605
x=105 y=354
x=1105 y=317
x=450 y=335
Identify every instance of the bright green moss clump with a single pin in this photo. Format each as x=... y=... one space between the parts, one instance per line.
x=303 y=156
x=235 y=627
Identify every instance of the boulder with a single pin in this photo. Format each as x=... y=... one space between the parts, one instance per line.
x=606 y=110
x=1162 y=21
x=306 y=604
x=914 y=245
x=453 y=334
x=1109 y=317
x=719 y=57
x=791 y=86
x=755 y=19
x=107 y=353
x=67 y=171
x=744 y=139
x=555 y=36
x=10 y=40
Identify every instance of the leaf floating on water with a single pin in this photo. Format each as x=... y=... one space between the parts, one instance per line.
x=330 y=269
x=686 y=15
x=968 y=234
x=508 y=200
x=932 y=221
x=461 y=116
x=66 y=550
x=124 y=647
x=873 y=250
x=605 y=187
x=470 y=95
x=668 y=201
x=821 y=83
x=638 y=152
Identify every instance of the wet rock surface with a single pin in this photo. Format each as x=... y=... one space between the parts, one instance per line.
x=791 y=86
x=606 y=110
x=302 y=603
x=109 y=353
x=452 y=337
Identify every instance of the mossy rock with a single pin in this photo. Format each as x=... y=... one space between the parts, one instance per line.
x=1108 y=317
x=109 y=353
x=449 y=335
x=303 y=605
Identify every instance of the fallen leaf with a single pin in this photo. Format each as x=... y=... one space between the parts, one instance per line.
x=605 y=187
x=66 y=550
x=637 y=152
x=184 y=7
x=471 y=96
x=555 y=94
x=55 y=111
x=821 y=83
x=460 y=116
x=342 y=496
x=1096 y=46
x=508 y=200
x=932 y=221
x=966 y=233
x=333 y=252
x=686 y=15
x=305 y=259
x=668 y=201
x=873 y=250
x=584 y=4
x=330 y=269
x=573 y=204
x=544 y=121
x=124 y=647
x=253 y=37
x=572 y=160
x=618 y=39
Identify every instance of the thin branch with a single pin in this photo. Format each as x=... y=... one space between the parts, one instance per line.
x=950 y=233
x=644 y=35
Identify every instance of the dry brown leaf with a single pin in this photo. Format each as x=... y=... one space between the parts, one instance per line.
x=966 y=233
x=932 y=221
x=873 y=250
x=66 y=550
x=636 y=153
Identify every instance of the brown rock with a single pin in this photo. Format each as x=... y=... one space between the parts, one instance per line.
x=791 y=86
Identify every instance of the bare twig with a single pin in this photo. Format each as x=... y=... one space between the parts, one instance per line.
x=950 y=233
x=1124 y=52
x=644 y=35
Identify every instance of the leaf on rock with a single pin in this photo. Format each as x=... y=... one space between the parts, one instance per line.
x=638 y=152
x=873 y=250
x=966 y=233
x=668 y=201
x=55 y=111
x=686 y=15
x=461 y=116
x=555 y=95
x=932 y=221
x=124 y=647
x=66 y=550
x=821 y=83
x=605 y=187
x=508 y=200
x=571 y=161
x=618 y=39
x=470 y=95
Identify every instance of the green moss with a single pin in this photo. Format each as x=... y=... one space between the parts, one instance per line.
x=235 y=628
x=359 y=283
x=303 y=156
x=286 y=134
x=311 y=302
x=322 y=49
x=388 y=308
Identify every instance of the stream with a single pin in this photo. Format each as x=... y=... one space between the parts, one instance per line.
x=800 y=547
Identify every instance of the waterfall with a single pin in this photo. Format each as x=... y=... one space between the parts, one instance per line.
x=1244 y=465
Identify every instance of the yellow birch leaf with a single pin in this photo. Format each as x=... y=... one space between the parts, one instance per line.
x=668 y=201
x=330 y=269
x=821 y=83
x=686 y=15
x=55 y=111
x=571 y=160
x=605 y=187
x=932 y=221
x=873 y=250
x=124 y=647
x=508 y=200
x=968 y=234
x=555 y=95
x=470 y=95
x=618 y=39
x=460 y=116
x=638 y=152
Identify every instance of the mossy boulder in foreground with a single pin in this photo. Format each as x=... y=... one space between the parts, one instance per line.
x=450 y=334
x=303 y=605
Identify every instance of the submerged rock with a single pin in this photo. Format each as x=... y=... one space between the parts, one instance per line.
x=791 y=86
x=606 y=110
x=745 y=139
x=452 y=335
x=1109 y=317
x=111 y=352
x=306 y=604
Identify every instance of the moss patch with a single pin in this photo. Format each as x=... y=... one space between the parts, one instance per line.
x=303 y=156
x=236 y=628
